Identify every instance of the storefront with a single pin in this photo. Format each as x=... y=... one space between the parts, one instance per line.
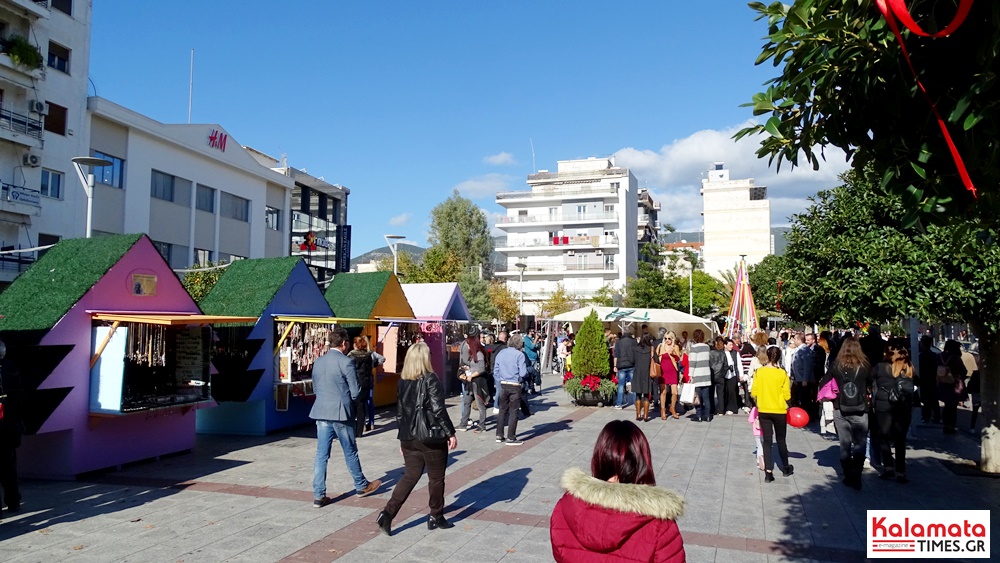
x=112 y=355
x=256 y=393
x=440 y=309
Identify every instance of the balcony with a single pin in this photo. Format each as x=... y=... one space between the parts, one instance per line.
x=15 y=199
x=576 y=176
x=546 y=268
x=559 y=243
x=27 y=8
x=610 y=217
x=559 y=192
x=20 y=129
x=13 y=264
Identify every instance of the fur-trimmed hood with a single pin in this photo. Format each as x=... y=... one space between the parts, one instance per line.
x=654 y=502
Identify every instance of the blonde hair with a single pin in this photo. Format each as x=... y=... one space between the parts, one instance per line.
x=901 y=365
x=850 y=355
x=417 y=362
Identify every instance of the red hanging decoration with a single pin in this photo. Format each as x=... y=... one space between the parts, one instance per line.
x=893 y=9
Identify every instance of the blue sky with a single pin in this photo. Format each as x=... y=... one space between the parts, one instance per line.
x=403 y=101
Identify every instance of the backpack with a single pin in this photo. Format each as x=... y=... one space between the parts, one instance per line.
x=944 y=374
x=901 y=390
x=852 y=396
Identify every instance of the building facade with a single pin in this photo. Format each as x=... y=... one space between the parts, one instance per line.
x=737 y=221
x=44 y=62
x=577 y=227
x=199 y=195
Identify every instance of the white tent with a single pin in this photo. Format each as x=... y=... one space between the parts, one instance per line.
x=627 y=317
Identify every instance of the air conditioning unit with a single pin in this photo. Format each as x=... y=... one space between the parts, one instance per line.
x=35 y=106
x=571 y=253
x=31 y=160
x=599 y=252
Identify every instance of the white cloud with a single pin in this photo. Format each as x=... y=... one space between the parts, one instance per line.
x=491 y=219
x=485 y=186
x=502 y=158
x=401 y=219
x=673 y=174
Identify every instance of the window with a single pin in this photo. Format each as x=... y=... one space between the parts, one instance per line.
x=164 y=249
x=609 y=208
x=45 y=240
x=581 y=210
x=720 y=166
x=615 y=185
x=55 y=121
x=553 y=212
x=205 y=200
x=234 y=207
x=113 y=175
x=58 y=57
x=202 y=257
x=64 y=6
x=52 y=183
x=230 y=258
x=758 y=193
x=162 y=186
x=272 y=218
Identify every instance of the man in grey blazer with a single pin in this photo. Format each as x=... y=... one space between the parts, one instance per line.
x=336 y=386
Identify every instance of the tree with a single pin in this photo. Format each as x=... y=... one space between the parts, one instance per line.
x=459 y=227
x=849 y=259
x=709 y=293
x=477 y=296
x=438 y=265
x=559 y=301
x=764 y=278
x=406 y=265
x=590 y=352
x=604 y=297
x=504 y=301
x=201 y=281
x=844 y=82
x=651 y=288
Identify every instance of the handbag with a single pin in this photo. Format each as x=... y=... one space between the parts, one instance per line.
x=427 y=429
x=655 y=369
x=829 y=391
x=687 y=393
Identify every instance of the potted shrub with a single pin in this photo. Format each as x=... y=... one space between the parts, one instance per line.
x=22 y=52
x=589 y=383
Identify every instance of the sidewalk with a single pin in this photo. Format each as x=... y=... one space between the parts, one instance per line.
x=249 y=498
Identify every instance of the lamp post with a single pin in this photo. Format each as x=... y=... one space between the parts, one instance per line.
x=393 y=242
x=87 y=180
x=520 y=285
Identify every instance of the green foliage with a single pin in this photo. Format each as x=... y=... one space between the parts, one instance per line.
x=608 y=388
x=477 y=296
x=604 y=297
x=590 y=353
x=709 y=293
x=559 y=301
x=504 y=301
x=573 y=387
x=436 y=265
x=764 y=277
x=199 y=284
x=651 y=288
x=460 y=228
x=843 y=82
x=22 y=52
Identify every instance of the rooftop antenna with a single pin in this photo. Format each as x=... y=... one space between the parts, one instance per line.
x=533 y=169
x=191 y=87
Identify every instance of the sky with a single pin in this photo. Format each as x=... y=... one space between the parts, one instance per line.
x=403 y=102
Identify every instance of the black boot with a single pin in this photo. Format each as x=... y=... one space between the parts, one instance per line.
x=436 y=522
x=846 y=467
x=859 y=466
x=384 y=522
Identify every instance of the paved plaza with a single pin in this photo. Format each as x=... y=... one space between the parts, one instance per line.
x=249 y=498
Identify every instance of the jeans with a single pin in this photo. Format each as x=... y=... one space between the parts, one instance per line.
x=471 y=395
x=624 y=376
x=930 y=410
x=716 y=396
x=891 y=427
x=852 y=431
x=370 y=407
x=416 y=457
x=344 y=432
x=704 y=409
x=510 y=399
x=776 y=424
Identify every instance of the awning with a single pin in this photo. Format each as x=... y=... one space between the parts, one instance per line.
x=177 y=319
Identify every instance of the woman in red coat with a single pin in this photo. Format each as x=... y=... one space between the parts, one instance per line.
x=619 y=514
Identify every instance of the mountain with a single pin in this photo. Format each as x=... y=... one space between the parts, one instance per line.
x=384 y=251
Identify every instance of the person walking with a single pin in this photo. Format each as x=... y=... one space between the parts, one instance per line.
x=951 y=374
x=728 y=403
x=500 y=344
x=472 y=370
x=700 y=376
x=335 y=384
x=850 y=408
x=642 y=384
x=624 y=365
x=531 y=347
x=893 y=409
x=617 y=513
x=927 y=367
x=419 y=455
x=365 y=361
x=670 y=356
x=510 y=369
x=772 y=390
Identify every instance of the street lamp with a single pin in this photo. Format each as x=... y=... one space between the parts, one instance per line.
x=87 y=180
x=520 y=284
x=393 y=242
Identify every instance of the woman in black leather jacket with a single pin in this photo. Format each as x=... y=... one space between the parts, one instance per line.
x=416 y=454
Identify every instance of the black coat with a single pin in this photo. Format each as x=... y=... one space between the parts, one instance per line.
x=406 y=406
x=717 y=364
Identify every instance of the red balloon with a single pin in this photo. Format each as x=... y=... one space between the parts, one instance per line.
x=797 y=417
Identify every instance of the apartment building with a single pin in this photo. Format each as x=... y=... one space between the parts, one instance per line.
x=44 y=61
x=319 y=229
x=737 y=221
x=197 y=193
x=577 y=226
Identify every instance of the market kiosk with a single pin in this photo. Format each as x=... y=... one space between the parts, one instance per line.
x=377 y=296
x=256 y=393
x=111 y=353
x=440 y=309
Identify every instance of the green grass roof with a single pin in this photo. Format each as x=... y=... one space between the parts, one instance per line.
x=354 y=295
x=39 y=297
x=247 y=287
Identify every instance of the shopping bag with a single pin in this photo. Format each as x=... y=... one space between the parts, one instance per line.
x=687 y=393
